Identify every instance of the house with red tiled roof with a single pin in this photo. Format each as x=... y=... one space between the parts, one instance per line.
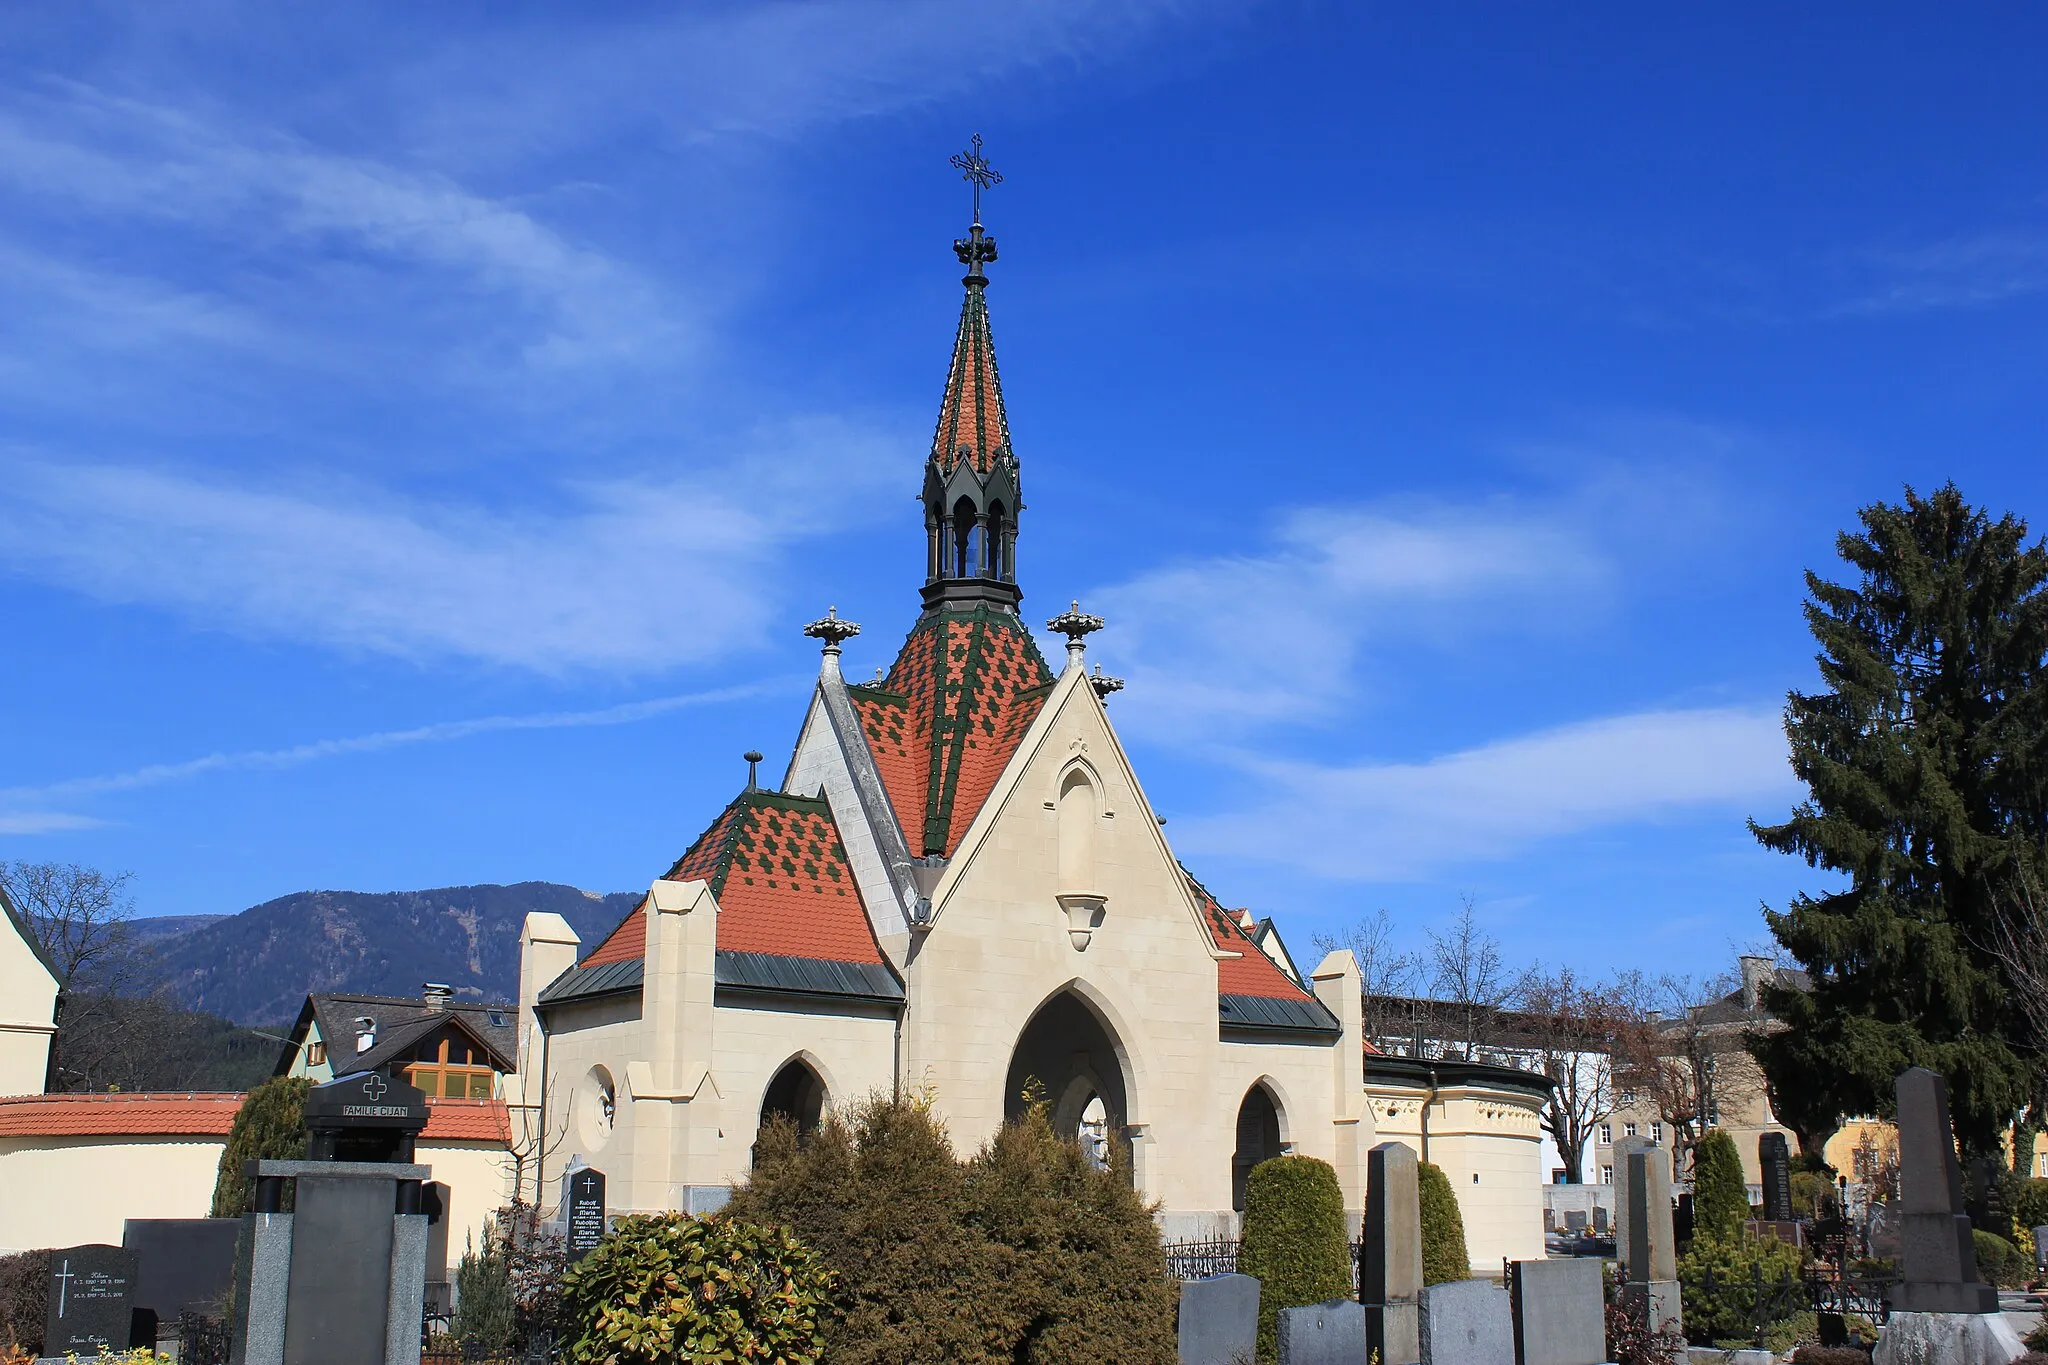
x=960 y=887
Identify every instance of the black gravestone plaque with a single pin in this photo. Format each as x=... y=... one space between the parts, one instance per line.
x=182 y=1264
x=91 y=1296
x=340 y=1289
x=1776 y=1159
x=586 y=1212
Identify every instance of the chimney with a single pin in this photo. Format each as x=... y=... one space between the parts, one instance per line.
x=1756 y=974
x=438 y=995
x=366 y=1033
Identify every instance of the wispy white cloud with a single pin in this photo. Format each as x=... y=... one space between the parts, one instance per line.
x=1292 y=619
x=1408 y=821
x=622 y=576
x=33 y=822
x=1972 y=270
x=24 y=821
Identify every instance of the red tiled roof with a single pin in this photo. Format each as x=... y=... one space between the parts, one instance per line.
x=1251 y=972
x=783 y=884
x=944 y=722
x=467 y=1121
x=195 y=1115
x=972 y=423
x=210 y=1115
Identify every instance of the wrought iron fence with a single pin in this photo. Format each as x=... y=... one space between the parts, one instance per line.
x=1199 y=1260
x=203 y=1340
x=1194 y=1260
x=1864 y=1296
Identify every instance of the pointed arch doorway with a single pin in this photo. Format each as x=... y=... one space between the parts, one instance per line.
x=1068 y=1055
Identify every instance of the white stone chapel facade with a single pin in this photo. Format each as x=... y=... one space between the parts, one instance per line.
x=960 y=889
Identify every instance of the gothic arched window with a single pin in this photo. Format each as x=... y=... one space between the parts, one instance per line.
x=966 y=541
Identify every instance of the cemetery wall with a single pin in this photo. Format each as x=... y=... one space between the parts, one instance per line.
x=68 y=1191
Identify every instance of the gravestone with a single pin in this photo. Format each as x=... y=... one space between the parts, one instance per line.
x=1467 y=1322
x=1560 y=1312
x=1600 y=1219
x=583 y=1210
x=1940 y=1272
x=92 y=1295
x=1574 y=1220
x=1646 y=1255
x=182 y=1264
x=1390 y=1270
x=1219 y=1320
x=1775 y=1156
x=1331 y=1333
x=2041 y=1248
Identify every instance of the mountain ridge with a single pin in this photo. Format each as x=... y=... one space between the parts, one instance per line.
x=257 y=967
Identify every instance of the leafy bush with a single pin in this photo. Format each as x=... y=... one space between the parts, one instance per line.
x=1444 y=1257
x=1295 y=1240
x=1086 y=1268
x=269 y=1126
x=666 y=1287
x=1813 y=1194
x=1734 y=1265
x=1629 y=1338
x=24 y=1300
x=1998 y=1261
x=2037 y=1340
x=2030 y=1203
x=1720 y=1196
x=483 y=1301
x=1026 y=1254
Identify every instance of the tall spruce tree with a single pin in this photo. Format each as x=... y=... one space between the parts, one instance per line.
x=1926 y=764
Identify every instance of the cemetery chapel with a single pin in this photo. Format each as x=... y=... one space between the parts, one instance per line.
x=958 y=890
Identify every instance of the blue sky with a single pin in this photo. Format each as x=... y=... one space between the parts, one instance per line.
x=427 y=429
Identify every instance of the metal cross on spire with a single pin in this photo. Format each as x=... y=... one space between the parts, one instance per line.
x=974 y=169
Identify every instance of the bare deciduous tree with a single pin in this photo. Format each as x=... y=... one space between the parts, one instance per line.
x=1470 y=982
x=1571 y=1029
x=1675 y=1049
x=1386 y=975
x=79 y=917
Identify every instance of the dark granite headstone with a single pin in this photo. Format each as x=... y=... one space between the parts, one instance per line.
x=182 y=1264
x=1390 y=1270
x=338 y=1300
x=1574 y=1220
x=1774 y=1155
x=92 y=1293
x=583 y=1211
x=1560 y=1313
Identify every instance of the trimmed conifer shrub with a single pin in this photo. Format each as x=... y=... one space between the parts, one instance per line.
x=1444 y=1257
x=877 y=1192
x=1720 y=1195
x=1295 y=1241
x=1086 y=1274
x=666 y=1287
x=269 y=1126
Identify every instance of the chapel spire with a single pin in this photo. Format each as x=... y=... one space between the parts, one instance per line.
x=971 y=490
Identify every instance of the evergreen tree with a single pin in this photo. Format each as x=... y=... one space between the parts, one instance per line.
x=269 y=1126
x=1720 y=1196
x=1926 y=764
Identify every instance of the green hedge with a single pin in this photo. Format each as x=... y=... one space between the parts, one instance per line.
x=1998 y=1261
x=663 y=1288
x=1295 y=1239
x=1444 y=1257
x=1734 y=1263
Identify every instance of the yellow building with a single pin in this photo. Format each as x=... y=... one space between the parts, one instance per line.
x=28 y=1006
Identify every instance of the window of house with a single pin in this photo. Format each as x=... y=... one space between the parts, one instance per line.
x=1628 y=1130
x=2042 y=1162
x=1607 y=1175
x=316 y=1054
x=1714 y=1114
x=449 y=1069
x=1607 y=1132
x=1656 y=1132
